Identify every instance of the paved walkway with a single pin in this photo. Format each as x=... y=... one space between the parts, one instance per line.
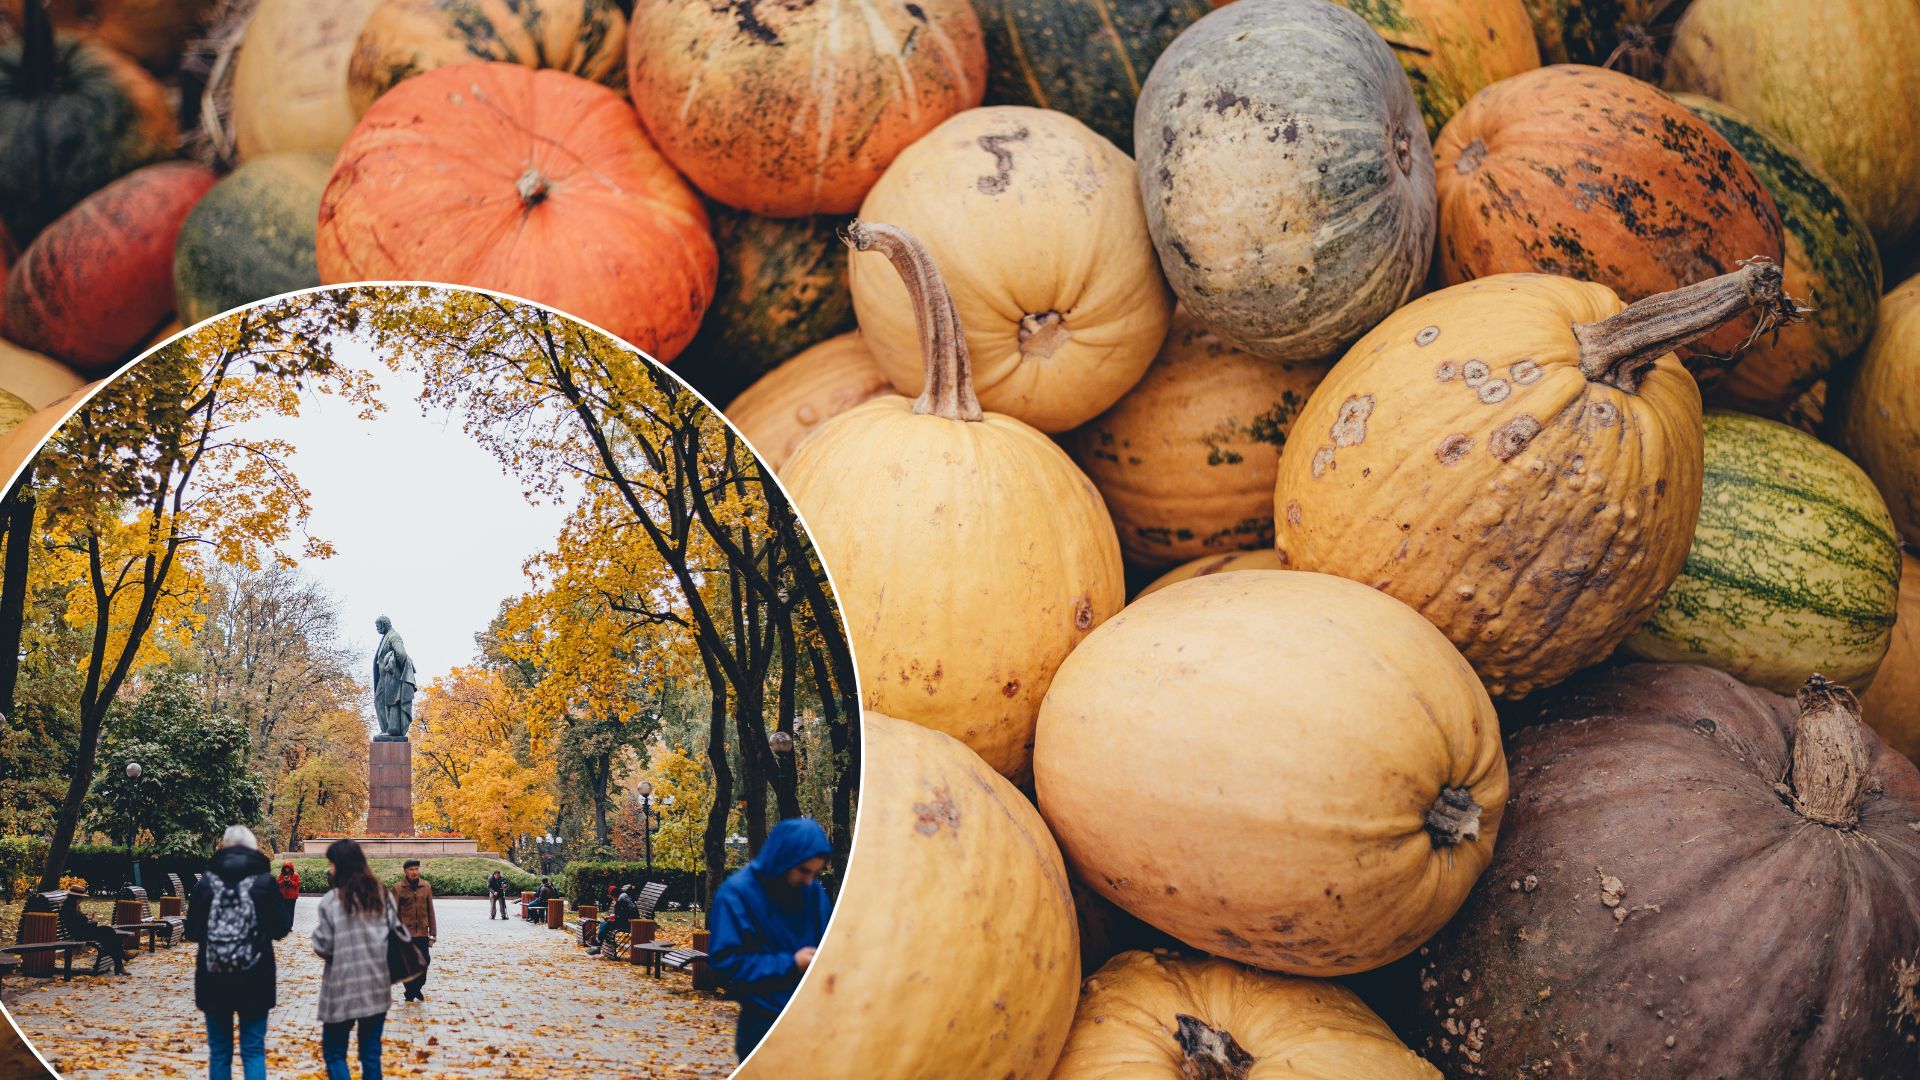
x=505 y=1000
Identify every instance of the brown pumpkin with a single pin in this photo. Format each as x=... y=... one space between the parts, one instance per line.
x=154 y=32
x=1518 y=458
x=1260 y=559
x=1157 y=1016
x=796 y=109
x=790 y=402
x=290 y=75
x=1596 y=175
x=402 y=38
x=535 y=183
x=96 y=284
x=1680 y=843
x=1877 y=412
x=1186 y=460
x=1892 y=706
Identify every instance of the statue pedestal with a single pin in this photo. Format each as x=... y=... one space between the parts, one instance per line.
x=390 y=787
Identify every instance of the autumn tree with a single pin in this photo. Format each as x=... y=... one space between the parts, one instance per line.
x=480 y=768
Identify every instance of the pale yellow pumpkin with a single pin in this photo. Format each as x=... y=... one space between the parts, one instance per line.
x=1260 y=559
x=290 y=76
x=1186 y=459
x=1037 y=225
x=968 y=553
x=1877 y=411
x=1312 y=775
x=1892 y=705
x=402 y=38
x=953 y=950
x=36 y=378
x=790 y=402
x=1518 y=458
x=1158 y=1016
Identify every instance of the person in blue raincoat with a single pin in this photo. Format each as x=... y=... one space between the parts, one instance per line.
x=766 y=921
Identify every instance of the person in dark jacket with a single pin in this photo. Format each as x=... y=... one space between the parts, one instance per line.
x=624 y=911
x=235 y=916
x=767 y=920
x=496 y=895
x=537 y=910
x=105 y=937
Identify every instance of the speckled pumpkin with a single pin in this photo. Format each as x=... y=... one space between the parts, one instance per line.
x=1517 y=458
x=1877 y=409
x=251 y=237
x=402 y=38
x=1287 y=177
x=1698 y=879
x=969 y=554
x=1036 y=226
x=1794 y=566
x=532 y=182
x=1186 y=460
x=955 y=912
x=1595 y=175
x=1892 y=704
x=290 y=75
x=796 y=109
x=1261 y=559
x=782 y=289
x=1155 y=1016
x=1830 y=263
x=1451 y=49
x=790 y=402
x=1295 y=844
x=1839 y=81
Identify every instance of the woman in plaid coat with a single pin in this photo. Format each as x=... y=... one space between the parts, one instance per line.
x=351 y=937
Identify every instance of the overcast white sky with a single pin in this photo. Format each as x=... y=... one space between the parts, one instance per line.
x=427 y=527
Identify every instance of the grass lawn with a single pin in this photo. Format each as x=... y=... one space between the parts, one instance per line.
x=458 y=875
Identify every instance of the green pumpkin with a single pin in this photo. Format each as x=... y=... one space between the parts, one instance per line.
x=782 y=289
x=1795 y=567
x=74 y=116
x=1085 y=58
x=251 y=237
x=1831 y=266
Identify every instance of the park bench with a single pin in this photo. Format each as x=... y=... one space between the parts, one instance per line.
x=647 y=902
x=65 y=907
x=132 y=912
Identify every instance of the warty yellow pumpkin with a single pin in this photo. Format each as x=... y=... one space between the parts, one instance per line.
x=969 y=554
x=1518 y=458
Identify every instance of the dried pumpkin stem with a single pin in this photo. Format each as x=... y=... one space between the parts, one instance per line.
x=532 y=187
x=1616 y=350
x=949 y=391
x=1453 y=818
x=1829 y=776
x=1212 y=1053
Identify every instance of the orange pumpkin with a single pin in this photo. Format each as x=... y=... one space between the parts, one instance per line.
x=535 y=183
x=795 y=109
x=96 y=283
x=1595 y=175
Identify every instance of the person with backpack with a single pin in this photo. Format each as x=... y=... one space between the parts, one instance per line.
x=356 y=989
x=235 y=915
x=289 y=889
x=768 y=918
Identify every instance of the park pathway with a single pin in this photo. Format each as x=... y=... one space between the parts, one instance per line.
x=505 y=1000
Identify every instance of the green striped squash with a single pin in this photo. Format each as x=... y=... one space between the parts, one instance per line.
x=1085 y=58
x=251 y=237
x=1831 y=266
x=1794 y=569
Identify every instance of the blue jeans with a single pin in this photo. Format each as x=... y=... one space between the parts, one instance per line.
x=333 y=1047
x=253 y=1046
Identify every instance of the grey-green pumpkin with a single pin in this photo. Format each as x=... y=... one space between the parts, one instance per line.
x=251 y=236
x=1795 y=567
x=1287 y=176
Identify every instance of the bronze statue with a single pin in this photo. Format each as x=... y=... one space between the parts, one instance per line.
x=392 y=683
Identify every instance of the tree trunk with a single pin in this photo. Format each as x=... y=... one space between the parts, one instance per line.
x=293 y=831
x=786 y=767
x=713 y=841
x=599 y=774
x=846 y=759
x=13 y=588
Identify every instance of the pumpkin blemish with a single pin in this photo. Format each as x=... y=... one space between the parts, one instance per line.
x=942 y=810
x=1451 y=449
x=1350 y=425
x=1002 y=160
x=1513 y=436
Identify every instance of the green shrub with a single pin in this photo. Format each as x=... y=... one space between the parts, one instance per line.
x=585 y=882
x=21 y=858
x=456 y=876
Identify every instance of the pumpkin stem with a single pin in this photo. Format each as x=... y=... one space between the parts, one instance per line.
x=1828 y=774
x=39 y=69
x=532 y=187
x=1617 y=349
x=949 y=391
x=1212 y=1054
x=1453 y=818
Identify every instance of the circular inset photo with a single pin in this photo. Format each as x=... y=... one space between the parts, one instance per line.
x=414 y=676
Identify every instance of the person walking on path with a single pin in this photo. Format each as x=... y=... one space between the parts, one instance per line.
x=496 y=895
x=289 y=889
x=351 y=936
x=235 y=915
x=767 y=920
x=415 y=899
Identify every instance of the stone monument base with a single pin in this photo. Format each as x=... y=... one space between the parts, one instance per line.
x=404 y=847
x=390 y=787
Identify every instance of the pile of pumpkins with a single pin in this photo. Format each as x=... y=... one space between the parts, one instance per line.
x=1369 y=529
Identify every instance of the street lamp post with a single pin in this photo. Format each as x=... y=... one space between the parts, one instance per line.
x=546 y=854
x=646 y=821
x=133 y=785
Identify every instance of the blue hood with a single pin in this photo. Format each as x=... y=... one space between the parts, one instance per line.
x=791 y=843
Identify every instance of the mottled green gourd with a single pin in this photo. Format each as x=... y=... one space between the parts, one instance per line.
x=1794 y=568
x=251 y=237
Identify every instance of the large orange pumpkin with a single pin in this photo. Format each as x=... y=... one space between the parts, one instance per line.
x=1596 y=175
x=535 y=183
x=96 y=283
x=1517 y=458
x=795 y=109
